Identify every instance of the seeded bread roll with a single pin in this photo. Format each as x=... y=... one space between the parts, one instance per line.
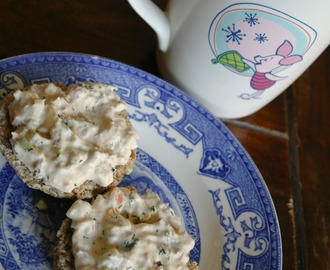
x=144 y=249
x=89 y=188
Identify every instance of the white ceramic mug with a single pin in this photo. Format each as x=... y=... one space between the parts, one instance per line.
x=236 y=57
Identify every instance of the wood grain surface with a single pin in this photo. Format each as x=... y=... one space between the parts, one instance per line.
x=289 y=139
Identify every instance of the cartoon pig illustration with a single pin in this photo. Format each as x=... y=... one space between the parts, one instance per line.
x=264 y=66
x=260 y=44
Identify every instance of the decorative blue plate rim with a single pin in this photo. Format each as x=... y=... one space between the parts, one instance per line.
x=248 y=232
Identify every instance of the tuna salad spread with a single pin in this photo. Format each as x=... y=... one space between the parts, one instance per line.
x=124 y=230
x=68 y=137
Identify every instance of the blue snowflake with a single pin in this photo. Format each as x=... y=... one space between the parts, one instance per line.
x=251 y=19
x=233 y=34
x=261 y=38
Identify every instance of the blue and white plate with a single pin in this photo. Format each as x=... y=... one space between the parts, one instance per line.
x=185 y=155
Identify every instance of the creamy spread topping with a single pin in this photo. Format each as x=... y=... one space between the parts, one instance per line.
x=68 y=137
x=123 y=230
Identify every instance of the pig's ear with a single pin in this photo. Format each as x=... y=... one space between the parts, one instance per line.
x=285 y=48
x=286 y=61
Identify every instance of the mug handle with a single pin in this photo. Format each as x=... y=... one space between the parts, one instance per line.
x=155 y=18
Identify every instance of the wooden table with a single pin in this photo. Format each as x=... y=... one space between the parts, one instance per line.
x=289 y=139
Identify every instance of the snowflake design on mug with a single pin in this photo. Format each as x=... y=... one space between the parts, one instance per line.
x=261 y=38
x=233 y=34
x=251 y=19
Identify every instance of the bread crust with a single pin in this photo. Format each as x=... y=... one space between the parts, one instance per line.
x=63 y=257
x=87 y=190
